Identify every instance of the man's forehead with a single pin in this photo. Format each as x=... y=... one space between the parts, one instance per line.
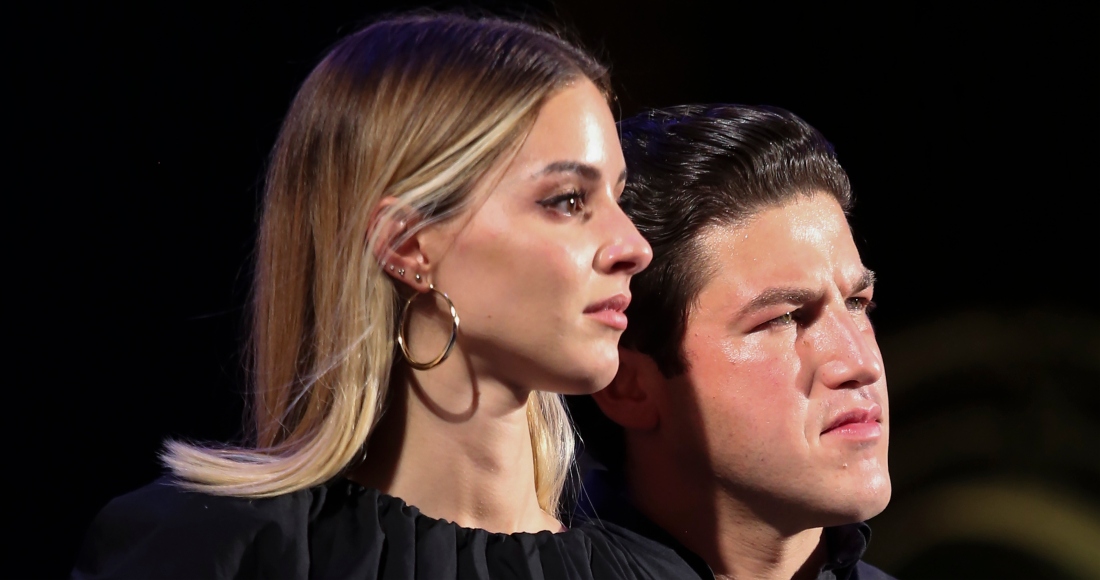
x=803 y=244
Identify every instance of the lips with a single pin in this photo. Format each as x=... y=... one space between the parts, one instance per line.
x=857 y=422
x=610 y=311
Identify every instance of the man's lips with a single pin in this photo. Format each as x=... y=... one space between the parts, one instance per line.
x=610 y=311
x=856 y=423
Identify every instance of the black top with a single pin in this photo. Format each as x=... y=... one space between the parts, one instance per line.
x=342 y=530
x=606 y=498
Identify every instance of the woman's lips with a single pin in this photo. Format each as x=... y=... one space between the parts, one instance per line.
x=857 y=423
x=610 y=311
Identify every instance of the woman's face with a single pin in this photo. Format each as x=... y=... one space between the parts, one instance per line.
x=539 y=267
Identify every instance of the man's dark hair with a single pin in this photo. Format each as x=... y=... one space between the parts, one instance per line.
x=692 y=168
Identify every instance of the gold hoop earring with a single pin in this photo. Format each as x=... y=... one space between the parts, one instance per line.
x=404 y=343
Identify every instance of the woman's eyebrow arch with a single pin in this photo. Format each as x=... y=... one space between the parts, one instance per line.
x=589 y=172
x=585 y=170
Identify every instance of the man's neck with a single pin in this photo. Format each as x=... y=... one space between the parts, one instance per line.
x=726 y=532
x=768 y=556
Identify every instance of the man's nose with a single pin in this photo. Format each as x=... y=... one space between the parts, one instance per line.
x=850 y=355
x=624 y=250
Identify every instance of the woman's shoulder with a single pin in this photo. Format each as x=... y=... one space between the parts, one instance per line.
x=337 y=530
x=423 y=547
x=165 y=530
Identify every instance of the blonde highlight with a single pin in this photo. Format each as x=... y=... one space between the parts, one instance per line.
x=415 y=108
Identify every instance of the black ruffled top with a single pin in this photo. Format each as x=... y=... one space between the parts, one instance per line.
x=342 y=530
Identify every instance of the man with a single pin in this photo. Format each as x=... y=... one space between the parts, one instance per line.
x=749 y=419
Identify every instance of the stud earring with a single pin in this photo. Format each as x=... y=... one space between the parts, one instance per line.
x=391 y=267
x=417 y=277
x=401 y=272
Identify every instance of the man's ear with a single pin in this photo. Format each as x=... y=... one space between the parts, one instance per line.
x=631 y=398
x=397 y=252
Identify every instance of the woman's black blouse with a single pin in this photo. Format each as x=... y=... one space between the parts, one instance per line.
x=342 y=530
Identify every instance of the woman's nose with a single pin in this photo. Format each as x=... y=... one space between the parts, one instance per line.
x=624 y=251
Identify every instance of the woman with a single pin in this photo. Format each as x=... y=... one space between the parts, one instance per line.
x=441 y=256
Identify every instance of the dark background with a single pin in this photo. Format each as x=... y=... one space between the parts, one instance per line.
x=138 y=138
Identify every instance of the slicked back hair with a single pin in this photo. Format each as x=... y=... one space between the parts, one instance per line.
x=692 y=168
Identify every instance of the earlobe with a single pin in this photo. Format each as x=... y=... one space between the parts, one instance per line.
x=396 y=252
x=630 y=398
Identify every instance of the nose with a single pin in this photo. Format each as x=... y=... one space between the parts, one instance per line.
x=624 y=250
x=851 y=358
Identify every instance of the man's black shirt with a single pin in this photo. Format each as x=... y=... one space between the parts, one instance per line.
x=605 y=503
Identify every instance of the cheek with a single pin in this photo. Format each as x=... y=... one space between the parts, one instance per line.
x=523 y=271
x=546 y=273
x=747 y=385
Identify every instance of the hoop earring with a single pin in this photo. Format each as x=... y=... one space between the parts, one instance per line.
x=422 y=366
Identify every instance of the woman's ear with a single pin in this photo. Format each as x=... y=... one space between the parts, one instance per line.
x=630 y=400
x=397 y=252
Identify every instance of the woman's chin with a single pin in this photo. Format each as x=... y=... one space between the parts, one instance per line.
x=590 y=379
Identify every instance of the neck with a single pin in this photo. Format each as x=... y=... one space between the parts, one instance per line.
x=459 y=449
x=732 y=537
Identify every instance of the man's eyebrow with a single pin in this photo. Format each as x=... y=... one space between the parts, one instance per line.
x=584 y=170
x=774 y=296
x=789 y=295
x=865 y=281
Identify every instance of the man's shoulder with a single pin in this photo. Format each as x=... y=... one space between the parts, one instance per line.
x=650 y=558
x=865 y=571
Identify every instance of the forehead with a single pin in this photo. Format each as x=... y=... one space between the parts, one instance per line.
x=574 y=124
x=802 y=243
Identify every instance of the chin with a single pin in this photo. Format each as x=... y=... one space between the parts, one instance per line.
x=595 y=365
x=865 y=499
x=588 y=379
x=589 y=384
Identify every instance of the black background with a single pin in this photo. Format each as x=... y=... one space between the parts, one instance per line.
x=138 y=138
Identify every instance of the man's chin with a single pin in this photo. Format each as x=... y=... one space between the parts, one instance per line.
x=858 y=502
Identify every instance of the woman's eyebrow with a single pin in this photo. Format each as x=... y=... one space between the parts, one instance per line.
x=586 y=171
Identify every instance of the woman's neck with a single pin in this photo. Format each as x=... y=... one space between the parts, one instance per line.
x=459 y=450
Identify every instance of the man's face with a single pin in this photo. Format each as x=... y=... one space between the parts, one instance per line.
x=784 y=400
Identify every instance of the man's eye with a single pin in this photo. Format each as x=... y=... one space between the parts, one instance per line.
x=569 y=204
x=784 y=319
x=857 y=304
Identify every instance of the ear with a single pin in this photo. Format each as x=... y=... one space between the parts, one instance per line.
x=397 y=252
x=630 y=400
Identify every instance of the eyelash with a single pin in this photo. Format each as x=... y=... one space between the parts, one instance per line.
x=783 y=319
x=861 y=304
x=855 y=304
x=574 y=198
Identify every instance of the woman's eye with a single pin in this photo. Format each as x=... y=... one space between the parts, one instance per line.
x=569 y=204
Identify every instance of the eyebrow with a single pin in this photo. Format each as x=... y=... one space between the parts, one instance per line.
x=790 y=295
x=774 y=296
x=865 y=281
x=584 y=170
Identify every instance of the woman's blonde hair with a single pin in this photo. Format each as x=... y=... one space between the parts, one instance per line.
x=418 y=108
